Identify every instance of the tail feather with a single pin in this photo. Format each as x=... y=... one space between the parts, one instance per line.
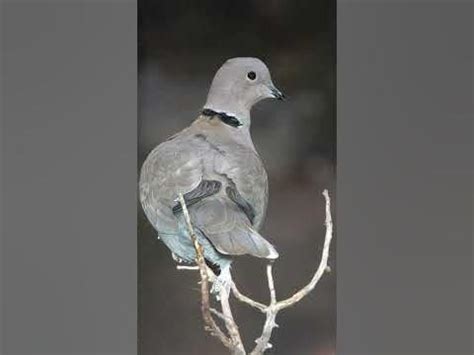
x=229 y=230
x=242 y=240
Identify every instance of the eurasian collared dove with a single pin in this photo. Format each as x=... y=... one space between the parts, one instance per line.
x=214 y=164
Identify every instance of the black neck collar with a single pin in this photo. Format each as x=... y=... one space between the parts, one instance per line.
x=224 y=117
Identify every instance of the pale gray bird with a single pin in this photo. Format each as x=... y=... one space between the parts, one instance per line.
x=214 y=164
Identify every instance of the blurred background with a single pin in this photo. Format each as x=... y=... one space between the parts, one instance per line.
x=181 y=45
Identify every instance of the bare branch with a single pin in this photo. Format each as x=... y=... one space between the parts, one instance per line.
x=210 y=324
x=233 y=341
x=244 y=299
x=263 y=342
x=229 y=322
x=187 y=267
x=271 y=284
x=323 y=265
x=217 y=313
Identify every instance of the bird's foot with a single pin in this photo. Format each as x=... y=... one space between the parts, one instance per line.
x=222 y=283
x=178 y=259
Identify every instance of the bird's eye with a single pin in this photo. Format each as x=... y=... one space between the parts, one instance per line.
x=251 y=75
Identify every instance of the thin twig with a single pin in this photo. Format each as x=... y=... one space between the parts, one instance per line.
x=210 y=324
x=244 y=299
x=271 y=283
x=263 y=342
x=229 y=322
x=217 y=313
x=323 y=265
x=187 y=267
x=234 y=342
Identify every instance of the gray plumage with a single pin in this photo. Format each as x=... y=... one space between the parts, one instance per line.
x=214 y=164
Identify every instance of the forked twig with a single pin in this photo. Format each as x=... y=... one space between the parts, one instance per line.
x=272 y=310
x=233 y=341
x=323 y=265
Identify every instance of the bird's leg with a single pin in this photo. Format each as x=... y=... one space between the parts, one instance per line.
x=223 y=282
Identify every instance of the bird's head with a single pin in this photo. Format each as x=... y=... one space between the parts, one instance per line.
x=238 y=85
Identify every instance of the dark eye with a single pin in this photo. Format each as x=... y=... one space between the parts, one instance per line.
x=251 y=75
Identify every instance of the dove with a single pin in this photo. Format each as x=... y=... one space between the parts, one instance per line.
x=214 y=164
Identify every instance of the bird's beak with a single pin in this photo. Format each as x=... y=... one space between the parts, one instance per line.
x=277 y=94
